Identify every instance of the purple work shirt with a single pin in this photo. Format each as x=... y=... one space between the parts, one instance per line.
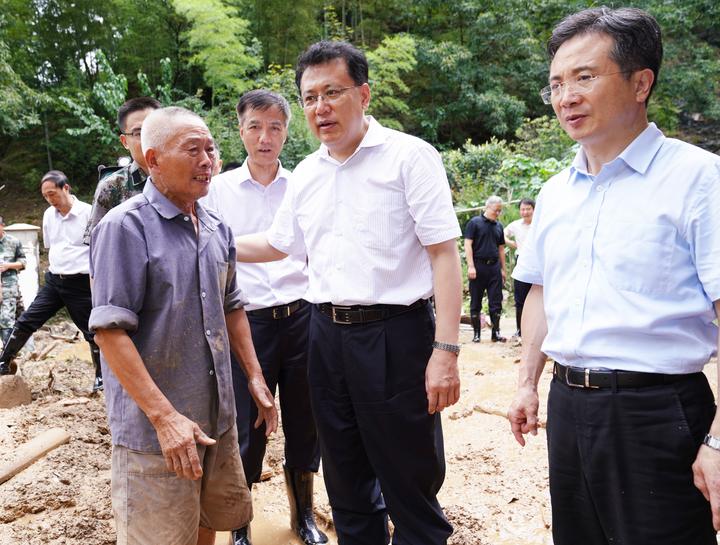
x=170 y=290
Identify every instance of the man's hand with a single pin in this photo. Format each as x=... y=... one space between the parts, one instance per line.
x=267 y=412
x=442 y=380
x=4 y=267
x=178 y=436
x=523 y=413
x=706 y=474
x=504 y=276
x=472 y=273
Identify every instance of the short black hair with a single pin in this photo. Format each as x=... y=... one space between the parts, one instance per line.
x=55 y=176
x=636 y=33
x=326 y=51
x=262 y=99
x=137 y=104
x=528 y=202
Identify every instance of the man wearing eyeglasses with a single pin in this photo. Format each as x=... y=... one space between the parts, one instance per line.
x=373 y=210
x=623 y=300
x=129 y=180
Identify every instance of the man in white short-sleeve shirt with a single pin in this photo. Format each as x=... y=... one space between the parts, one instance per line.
x=372 y=208
x=515 y=234
x=624 y=258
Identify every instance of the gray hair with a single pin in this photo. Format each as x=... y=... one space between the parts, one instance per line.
x=158 y=127
x=493 y=199
x=262 y=99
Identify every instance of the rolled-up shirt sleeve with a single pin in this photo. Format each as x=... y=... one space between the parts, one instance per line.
x=118 y=265
x=703 y=233
x=234 y=297
x=285 y=233
x=428 y=196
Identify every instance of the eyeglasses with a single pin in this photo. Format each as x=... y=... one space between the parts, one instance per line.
x=135 y=134
x=330 y=96
x=583 y=83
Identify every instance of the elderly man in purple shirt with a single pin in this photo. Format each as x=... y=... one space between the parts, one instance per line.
x=166 y=311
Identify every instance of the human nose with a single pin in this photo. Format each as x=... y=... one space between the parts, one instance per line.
x=567 y=94
x=323 y=104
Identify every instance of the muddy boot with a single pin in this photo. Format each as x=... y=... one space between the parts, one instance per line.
x=17 y=340
x=300 y=494
x=241 y=536
x=475 y=321
x=95 y=354
x=496 y=338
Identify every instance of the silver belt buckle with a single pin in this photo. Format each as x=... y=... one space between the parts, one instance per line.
x=586 y=382
x=336 y=319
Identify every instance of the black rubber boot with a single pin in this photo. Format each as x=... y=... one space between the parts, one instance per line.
x=95 y=354
x=241 y=536
x=475 y=321
x=5 y=335
x=300 y=494
x=496 y=338
x=17 y=340
x=518 y=319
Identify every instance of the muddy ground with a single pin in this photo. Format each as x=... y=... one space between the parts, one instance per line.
x=495 y=493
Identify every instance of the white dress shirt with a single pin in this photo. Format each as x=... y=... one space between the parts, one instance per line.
x=63 y=235
x=630 y=258
x=365 y=221
x=247 y=207
x=519 y=230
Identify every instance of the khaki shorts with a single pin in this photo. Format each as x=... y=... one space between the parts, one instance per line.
x=153 y=505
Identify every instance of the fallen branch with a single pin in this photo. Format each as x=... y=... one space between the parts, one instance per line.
x=33 y=450
x=498 y=412
x=45 y=351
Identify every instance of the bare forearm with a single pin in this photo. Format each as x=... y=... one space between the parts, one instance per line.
x=468 y=252
x=501 y=257
x=255 y=248
x=447 y=286
x=241 y=343
x=534 y=328
x=715 y=426
x=127 y=365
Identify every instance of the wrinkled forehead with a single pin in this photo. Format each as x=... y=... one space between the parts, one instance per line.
x=187 y=131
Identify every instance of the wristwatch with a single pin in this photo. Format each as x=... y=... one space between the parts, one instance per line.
x=455 y=349
x=712 y=441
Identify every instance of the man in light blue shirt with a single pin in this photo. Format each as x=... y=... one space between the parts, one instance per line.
x=624 y=258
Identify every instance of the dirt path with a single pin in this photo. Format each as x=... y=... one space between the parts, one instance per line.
x=495 y=493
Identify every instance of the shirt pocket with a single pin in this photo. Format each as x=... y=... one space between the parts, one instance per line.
x=637 y=257
x=380 y=219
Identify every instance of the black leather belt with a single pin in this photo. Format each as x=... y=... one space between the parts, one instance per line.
x=70 y=276
x=278 y=312
x=579 y=377
x=361 y=314
x=491 y=261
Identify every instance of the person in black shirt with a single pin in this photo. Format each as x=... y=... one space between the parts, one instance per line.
x=485 y=256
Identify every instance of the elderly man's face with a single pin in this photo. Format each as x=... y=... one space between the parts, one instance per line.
x=263 y=133
x=182 y=168
x=55 y=196
x=338 y=123
x=493 y=211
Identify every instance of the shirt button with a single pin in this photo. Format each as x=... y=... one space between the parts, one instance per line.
x=207 y=332
x=203 y=295
x=212 y=372
x=600 y=188
x=186 y=218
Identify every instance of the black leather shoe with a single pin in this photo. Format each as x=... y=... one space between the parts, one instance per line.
x=300 y=494
x=98 y=385
x=475 y=321
x=16 y=341
x=241 y=537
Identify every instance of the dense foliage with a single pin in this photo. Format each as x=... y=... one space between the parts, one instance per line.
x=462 y=74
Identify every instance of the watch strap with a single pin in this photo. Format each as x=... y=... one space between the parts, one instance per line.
x=712 y=441
x=454 y=348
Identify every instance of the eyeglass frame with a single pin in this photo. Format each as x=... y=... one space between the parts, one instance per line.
x=340 y=92
x=132 y=134
x=547 y=90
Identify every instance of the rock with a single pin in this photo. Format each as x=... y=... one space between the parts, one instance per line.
x=13 y=392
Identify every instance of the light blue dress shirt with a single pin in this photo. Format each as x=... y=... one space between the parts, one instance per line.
x=629 y=259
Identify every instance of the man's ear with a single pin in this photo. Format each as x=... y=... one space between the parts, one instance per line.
x=151 y=158
x=123 y=141
x=643 y=84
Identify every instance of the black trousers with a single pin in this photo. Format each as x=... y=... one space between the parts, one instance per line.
x=72 y=292
x=281 y=347
x=521 y=290
x=620 y=464
x=489 y=278
x=382 y=452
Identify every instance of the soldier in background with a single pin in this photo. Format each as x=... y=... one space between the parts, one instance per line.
x=12 y=260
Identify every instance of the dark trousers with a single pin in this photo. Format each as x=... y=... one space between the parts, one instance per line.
x=620 y=464
x=281 y=347
x=521 y=290
x=382 y=452
x=489 y=278
x=72 y=292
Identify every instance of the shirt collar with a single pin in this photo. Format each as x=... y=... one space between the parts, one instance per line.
x=375 y=135
x=74 y=209
x=245 y=176
x=168 y=210
x=638 y=155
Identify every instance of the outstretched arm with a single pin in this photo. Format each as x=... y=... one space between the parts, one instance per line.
x=255 y=248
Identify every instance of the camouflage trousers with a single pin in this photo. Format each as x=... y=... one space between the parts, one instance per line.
x=8 y=306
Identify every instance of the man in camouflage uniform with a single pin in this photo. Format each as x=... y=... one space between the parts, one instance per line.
x=12 y=260
x=130 y=180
